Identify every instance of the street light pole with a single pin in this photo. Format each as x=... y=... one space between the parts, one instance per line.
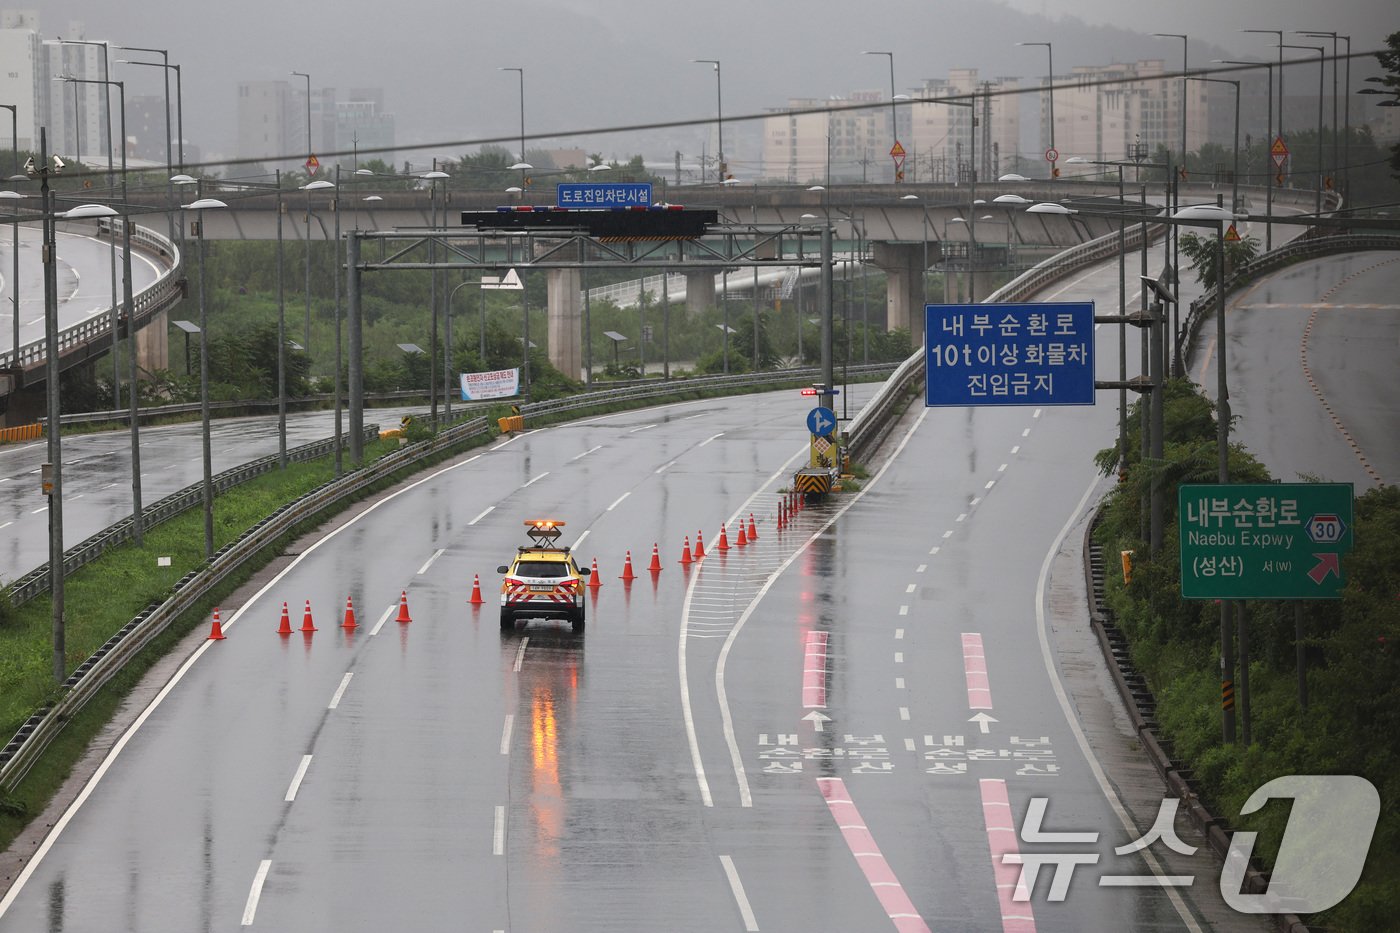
x=1334 y=37
x=55 y=464
x=1321 y=74
x=720 y=166
x=306 y=242
x=1054 y=170
x=164 y=65
x=521 y=73
x=1268 y=142
x=137 y=519
x=894 y=114
x=1184 y=67
x=201 y=204
x=1235 y=185
x=14 y=146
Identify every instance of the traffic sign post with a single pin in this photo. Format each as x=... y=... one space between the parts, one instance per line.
x=1009 y=354
x=1264 y=540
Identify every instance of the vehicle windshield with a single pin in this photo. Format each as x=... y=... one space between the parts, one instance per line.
x=542 y=568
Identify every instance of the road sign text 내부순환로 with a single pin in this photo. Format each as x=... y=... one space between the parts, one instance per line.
x=1009 y=354
x=1264 y=540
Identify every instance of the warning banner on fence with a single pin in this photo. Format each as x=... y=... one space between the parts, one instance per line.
x=500 y=383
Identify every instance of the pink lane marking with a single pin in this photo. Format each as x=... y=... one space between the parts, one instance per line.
x=979 y=689
x=1016 y=916
x=886 y=886
x=814 y=671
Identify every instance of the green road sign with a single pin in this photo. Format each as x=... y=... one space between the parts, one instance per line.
x=1264 y=540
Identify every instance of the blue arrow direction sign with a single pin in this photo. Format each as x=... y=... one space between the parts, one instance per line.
x=821 y=421
x=1009 y=354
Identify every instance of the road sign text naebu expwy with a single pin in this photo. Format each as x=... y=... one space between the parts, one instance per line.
x=1264 y=540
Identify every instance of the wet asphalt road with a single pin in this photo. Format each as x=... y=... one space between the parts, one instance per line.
x=1319 y=335
x=97 y=474
x=787 y=736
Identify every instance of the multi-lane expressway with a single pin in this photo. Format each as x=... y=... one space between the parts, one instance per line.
x=846 y=725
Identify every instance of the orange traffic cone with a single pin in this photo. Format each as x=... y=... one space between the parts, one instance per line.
x=627 y=573
x=349 y=614
x=476 y=599
x=285 y=627
x=742 y=540
x=699 y=544
x=753 y=529
x=723 y=539
x=306 y=624
x=594 y=581
x=685 y=554
x=403 y=607
x=216 y=631
x=655 y=566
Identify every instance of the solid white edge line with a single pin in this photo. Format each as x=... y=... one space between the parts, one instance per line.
x=737 y=887
x=1063 y=698
x=498 y=833
x=297 y=779
x=505 y=733
x=382 y=619
x=340 y=691
x=429 y=562
x=734 y=756
x=488 y=511
x=255 y=893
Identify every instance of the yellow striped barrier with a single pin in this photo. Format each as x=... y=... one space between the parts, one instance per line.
x=24 y=432
x=513 y=423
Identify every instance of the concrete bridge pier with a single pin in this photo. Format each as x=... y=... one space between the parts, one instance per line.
x=903 y=265
x=565 y=323
x=153 y=344
x=699 y=291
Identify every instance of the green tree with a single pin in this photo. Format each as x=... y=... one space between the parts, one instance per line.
x=1201 y=253
x=1390 y=61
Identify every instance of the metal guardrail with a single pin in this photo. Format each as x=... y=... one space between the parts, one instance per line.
x=36 y=582
x=162 y=294
x=1296 y=251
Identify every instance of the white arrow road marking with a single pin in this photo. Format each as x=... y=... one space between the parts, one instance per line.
x=818 y=720
x=983 y=722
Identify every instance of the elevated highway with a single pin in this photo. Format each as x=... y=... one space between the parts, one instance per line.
x=907 y=229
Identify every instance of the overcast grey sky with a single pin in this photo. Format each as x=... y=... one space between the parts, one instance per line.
x=601 y=63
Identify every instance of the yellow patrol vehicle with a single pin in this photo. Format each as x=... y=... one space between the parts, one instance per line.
x=543 y=581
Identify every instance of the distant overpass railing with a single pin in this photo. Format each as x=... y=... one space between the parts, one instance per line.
x=161 y=295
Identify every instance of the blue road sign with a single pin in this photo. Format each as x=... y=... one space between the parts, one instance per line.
x=625 y=194
x=1009 y=354
x=821 y=421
